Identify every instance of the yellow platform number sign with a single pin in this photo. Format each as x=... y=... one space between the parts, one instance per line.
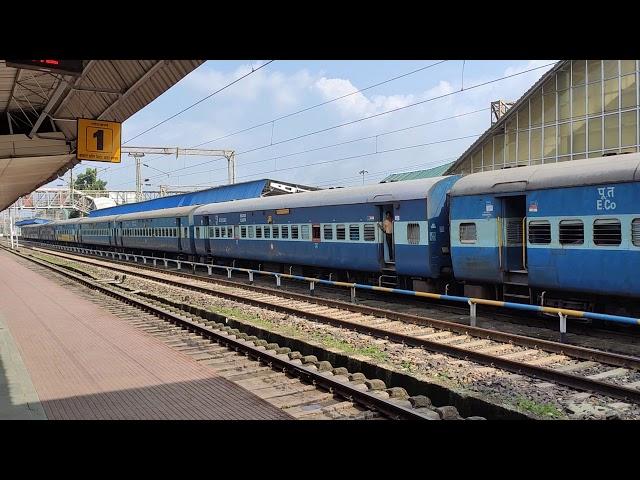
x=98 y=141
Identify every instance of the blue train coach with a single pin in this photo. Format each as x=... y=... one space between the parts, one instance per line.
x=563 y=234
x=335 y=230
x=165 y=230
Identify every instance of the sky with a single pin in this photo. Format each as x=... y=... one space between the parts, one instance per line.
x=428 y=135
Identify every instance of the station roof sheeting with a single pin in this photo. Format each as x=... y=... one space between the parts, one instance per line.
x=39 y=106
x=575 y=173
x=226 y=193
x=417 y=174
x=500 y=124
x=32 y=221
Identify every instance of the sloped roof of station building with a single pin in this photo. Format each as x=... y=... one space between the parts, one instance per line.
x=623 y=168
x=416 y=174
x=380 y=192
x=32 y=221
x=110 y=90
x=225 y=193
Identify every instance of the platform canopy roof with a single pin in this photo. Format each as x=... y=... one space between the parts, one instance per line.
x=39 y=107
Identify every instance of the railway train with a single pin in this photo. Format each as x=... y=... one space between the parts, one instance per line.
x=563 y=234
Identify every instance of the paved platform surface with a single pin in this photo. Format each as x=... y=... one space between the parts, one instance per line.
x=18 y=397
x=88 y=364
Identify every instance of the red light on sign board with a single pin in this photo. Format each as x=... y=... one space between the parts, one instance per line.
x=69 y=67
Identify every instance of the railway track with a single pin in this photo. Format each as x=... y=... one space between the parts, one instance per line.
x=301 y=385
x=585 y=369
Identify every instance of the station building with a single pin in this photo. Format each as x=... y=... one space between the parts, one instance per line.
x=579 y=109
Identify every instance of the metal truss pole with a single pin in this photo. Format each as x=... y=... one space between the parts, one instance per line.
x=231 y=159
x=228 y=154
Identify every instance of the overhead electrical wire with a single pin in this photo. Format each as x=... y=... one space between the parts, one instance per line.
x=421 y=102
x=253 y=70
x=369 y=137
x=306 y=109
x=352 y=157
x=370 y=117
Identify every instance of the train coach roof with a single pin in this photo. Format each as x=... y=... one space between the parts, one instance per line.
x=381 y=192
x=621 y=168
x=106 y=218
x=166 y=212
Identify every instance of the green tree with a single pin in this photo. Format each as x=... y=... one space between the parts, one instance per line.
x=89 y=181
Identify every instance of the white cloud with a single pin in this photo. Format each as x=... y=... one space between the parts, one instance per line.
x=283 y=90
x=272 y=92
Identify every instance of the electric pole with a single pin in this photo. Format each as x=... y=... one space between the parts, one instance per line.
x=138 y=156
x=362 y=172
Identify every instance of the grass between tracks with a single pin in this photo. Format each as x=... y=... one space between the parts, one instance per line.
x=544 y=410
x=325 y=339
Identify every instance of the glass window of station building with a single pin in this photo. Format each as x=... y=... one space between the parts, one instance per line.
x=581 y=109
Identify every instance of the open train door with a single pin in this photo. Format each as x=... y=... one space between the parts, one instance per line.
x=386 y=228
x=514 y=253
x=512 y=246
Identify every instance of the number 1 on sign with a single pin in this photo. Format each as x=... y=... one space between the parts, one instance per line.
x=99 y=136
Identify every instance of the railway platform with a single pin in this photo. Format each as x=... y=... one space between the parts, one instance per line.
x=63 y=357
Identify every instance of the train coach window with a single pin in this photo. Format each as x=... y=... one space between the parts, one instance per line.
x=328 y=232
x=304 y=231
x=413 y=233
x=370 y=232
x=315 y=233
x=468 y=233
x=354 y=233
x=258 y=232
x=539 y=232
x=607 y=231
x=267 y=232
x=285 y=231
x=294 y=232
x=276 y=231
x=243 y=232
x=230 y=232
x=635 y=232
x=340 y=232
x=251 y=231
x=571 y=232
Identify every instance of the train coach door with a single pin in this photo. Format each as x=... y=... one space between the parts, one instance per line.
x=118 y=233
x=513 y=234
x=386 y=228
x=206 y=236
x=179 y=236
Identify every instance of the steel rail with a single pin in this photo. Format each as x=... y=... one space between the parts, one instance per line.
x=578 y=352
x=373 y=402
x=544 y=373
